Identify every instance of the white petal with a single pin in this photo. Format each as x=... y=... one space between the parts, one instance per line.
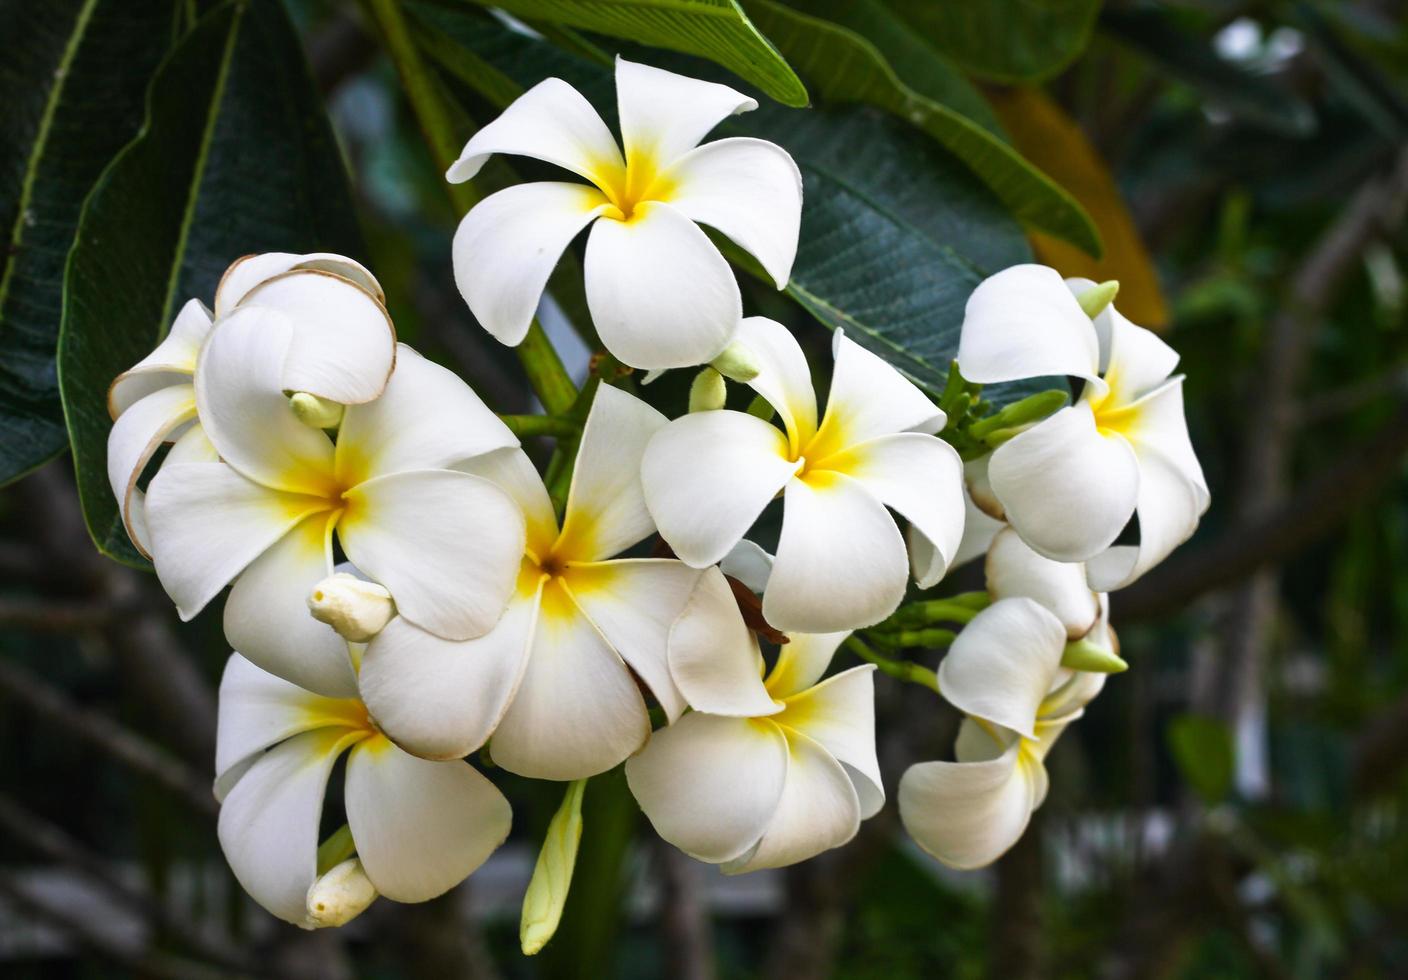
x=267 y=618
x=249 y=271
x=1133 y=360
x=606 y=511
x=243 y=408
x=784 y=378
x=420 y=827
x=1074 y=689
x=506 y=246
x=194 y=446
x=514 y=473
x=172 y=362
x=714 y=657
x=135 y=436
x=552 y=122
x=840 y=560
x=578 y=711
x=1024 y=323
x=978 y=531
x=967 y=814
x=427 y=418
x=802 y=661
x=442 y=699
x=660 y=293
x=207 y=522
x=664 y=114
x=1015 y=570
x=707 y=477
x=978 y=482
x=710 y=785
x=1003 y=663
x=446 y=544
x=1068 y=489
x=819 y=809
x=869 y=398
x=258 y=710
x=269 y=821
x=344 y=345
x=749 y=564
x=1172 y=491
x=921 y=477
x=839 y=713
x=633 y=602
x=749 y=189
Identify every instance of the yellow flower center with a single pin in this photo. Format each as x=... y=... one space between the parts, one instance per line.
x=627 y=188
x=1113 y=416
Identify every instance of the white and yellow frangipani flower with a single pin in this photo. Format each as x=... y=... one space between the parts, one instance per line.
x=419 y=828
x=1004 y=672
x=1070 y=483
x=553 y=683
x=841 y=560
x=763 y=773
x=661 y=295
x=344 y=350
x=446 y=544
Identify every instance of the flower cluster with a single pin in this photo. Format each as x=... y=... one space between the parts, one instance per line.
x=407 y=590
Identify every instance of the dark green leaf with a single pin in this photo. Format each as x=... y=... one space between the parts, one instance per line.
x=71 y=87
x=1003 y=40
x=236 y=156
x=713 y=29
x=868 y=56
x=1202 y=750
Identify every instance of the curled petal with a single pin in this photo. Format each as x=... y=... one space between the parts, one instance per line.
x=135 y=436
x=839 y=713
x=172 y=362
x=978 y=531
x=1133 y=360
x=967 y=814
x=664 y=114
x=802 y=661
x=748 y=563
x=249 y=271
x=869 y=398
x=512 y=471
x=1067 y=488
x=1013 y=569
x=1023 y=322
x=714 y=657
x=506 y=247
x=660 y=293
x=1003 y=663
x=420 y=827
x=784 y=378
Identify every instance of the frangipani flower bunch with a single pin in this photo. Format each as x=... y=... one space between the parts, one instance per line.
x=408 y=589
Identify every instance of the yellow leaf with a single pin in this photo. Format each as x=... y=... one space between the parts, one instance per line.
x=1053 y=141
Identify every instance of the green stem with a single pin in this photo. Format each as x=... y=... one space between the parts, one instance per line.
x=930 y=638
x=541 y=425
x=546 y=374
x=921 y=614
x=899 y=669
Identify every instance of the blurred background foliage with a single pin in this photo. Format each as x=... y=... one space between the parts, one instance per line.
x=1233 y=806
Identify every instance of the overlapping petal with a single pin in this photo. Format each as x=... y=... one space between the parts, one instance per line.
x=869 y=398
x=664 y=114
x=249 y=271
x=135 y=436
x=714 y=657
x=1003 y=663
x=784 y=378
x=802 y=661
x=1023 y=322
x=839 y=714
x=1014 y=570
x=172 y=362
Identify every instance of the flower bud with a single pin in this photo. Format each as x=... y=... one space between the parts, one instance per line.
x=1094 y=300
x=552 y=875
x=356 y=608
x=708 y=391
x=736 y=363
x=340 y=896
x=314 y=411
x=1092 y=657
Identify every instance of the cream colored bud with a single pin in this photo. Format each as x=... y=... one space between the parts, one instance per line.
x=737 y=363
x=1094 y=300
x=317 y=412
x=708 y=391
x=552 y=875
x=340 y=896
x=356 y=608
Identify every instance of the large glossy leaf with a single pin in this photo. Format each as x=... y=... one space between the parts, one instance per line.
x=71 y=85
x=714 y=29
x=862 y=53
x=235 y=156
x=1003 y=40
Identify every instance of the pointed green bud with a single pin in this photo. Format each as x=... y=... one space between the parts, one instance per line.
x=708 y=391
x=1022 y=413
x=552 y=875
x=314 y=411
x=737 y=363
x=1096 y=298
x=339 y=896
x=1092 y=657
x=357 y=609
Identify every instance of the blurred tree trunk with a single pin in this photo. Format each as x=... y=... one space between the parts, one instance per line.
x=1017 y=945
x=685 y=925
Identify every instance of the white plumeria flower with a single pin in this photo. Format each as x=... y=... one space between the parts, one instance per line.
x=763 y=773
x=419 y=827
x=1070 y=483
x=660 y=293
x=1004 y=672
x=1014 y=570
x=553 y=682
x=841 y=558
x=446 y=544
x=344 y=350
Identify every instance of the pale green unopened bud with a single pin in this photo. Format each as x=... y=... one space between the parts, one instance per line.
x=356 y=608
x=708 y=391
x=314 y=411
x=1096 y=298
x=340 y=896
x=1093 y=657
x=552 y=875
x=737 y=363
